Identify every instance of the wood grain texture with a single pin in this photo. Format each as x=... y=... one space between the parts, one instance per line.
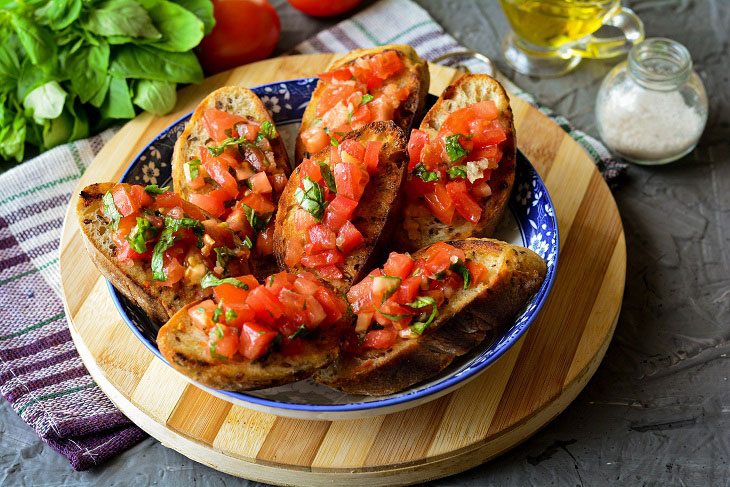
x=523 y=390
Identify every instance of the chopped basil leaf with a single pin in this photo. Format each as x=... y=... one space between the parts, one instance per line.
x=460 y=268
x=231 y=315
x=300 y=331
x=257 y=222
x=425 y=175
x=267 y=128
x=454 y=149
x=326 y=172
x=216 y=150
x=168 y=239
x=223 y=256
x=247 y=243
x=366 y=98
x=334 y=141
x=456 y=172
x=393 y=317
x=194 y=166
x=216 y=318
x=213 y=354
x=311 y=198
x=140 y=234
x=154 y=189
x=110 y=209
x=349 y=117
x=316 y=121
x=440 y=276
x=422 y=302
x=209 y=280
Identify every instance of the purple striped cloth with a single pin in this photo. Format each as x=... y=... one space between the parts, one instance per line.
x=41 y=375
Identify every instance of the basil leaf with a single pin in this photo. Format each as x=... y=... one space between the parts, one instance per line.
x=256 y=222
x=456 y=172
x=461 y=269
x=216 y=318
x=110 y=209
x=334 y=141
x=118 y=102
x=87 y=69
x=181 y=29
x=367 y=98
x=140 y=234
x=154 y=189
x=231 y=315
x=210 y=280
x=223 y=256
x=121 y=18
x=158 y=97
x=203 y=9
x=393 y=317
x=454 y=149
x=316 y=121
x=423 y=173
x=268 y=130
x=311 y=198
x=422 y=302
x=247 y=243
x=300 y=331
x=147 y=62
x=168 y=239
x=194 y=167
x=46 y=101
x=37 y=41
x=326 y=172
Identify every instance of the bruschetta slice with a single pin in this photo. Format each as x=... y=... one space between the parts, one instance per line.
x=461 y=165
x=419 y=312
x=157 y=249
x=367 y=85
x=231 y=162
x=339 y=207
x=250 y=335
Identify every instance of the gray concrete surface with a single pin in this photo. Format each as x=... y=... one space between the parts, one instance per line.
x=658 y=410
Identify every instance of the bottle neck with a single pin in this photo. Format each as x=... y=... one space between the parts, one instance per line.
x=660 y=64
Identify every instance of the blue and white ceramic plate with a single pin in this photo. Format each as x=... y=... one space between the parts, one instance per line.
x=530 y=223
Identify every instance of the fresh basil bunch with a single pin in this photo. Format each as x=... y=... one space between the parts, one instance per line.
x=69 y=68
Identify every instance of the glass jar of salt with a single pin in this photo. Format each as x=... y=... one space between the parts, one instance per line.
x=652 y=108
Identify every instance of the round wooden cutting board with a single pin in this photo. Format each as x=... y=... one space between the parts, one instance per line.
x=520 y=393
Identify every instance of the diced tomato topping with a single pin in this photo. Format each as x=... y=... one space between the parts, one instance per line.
x=487 y=132
x=360 y=116
x=354 y=148
x=217 y=122
x=486 y=109
x=260 y=183
x=331 y=95
x=478 y=272
x=224 y=346
x=201 y=314
x=255 y=340
x=211 y=202
x=416 y=143
x=321 y=238
x=441 y=204
x=463 y=202
x=457 y=122
x=266 y=306
x=380 y=338
x=315 y=310
x=123 y=200
x=349 y=237
x=338 y=212
x=408 y=290
x=166 y=200
x=303 y=220
x=334 y=156
x=259 y=203
x=141 y=198
x=350 y=181
x=234 y=298
x=294 y=252
x=386 y=64
x=173 y=272
x=329 y=257
x=340 y=74
x=315 y=139
x=251 y=131
x=306 y=286
x=310 y=169
x=372 y=155
x=278 y=182
x=265 y=241
x=399 y=265
x=330 y=272
x=217 y=167
x=295 y=307
x=281 y=280
x=334 y=306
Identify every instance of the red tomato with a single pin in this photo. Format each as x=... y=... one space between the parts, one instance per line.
x=245 y=31
x=310 y=169
x=123 y=200
x=321 y=238
x=255 y=339
x=265 y=241
x=399 y=265
x=408 y=290
x=316 y=311
x=166 y=200
x=324 y=258
x=486 y=110
x=226 y=345
x=350 y=181
x=360 y=116
x=354 y=148
x=416 y=143
x=478 y=272
x=395 y=310
x=463 y=202
x=339 y=74
x=386 y=64
x=141 y=197
x=349 y=237
x=323 y=8
x=201 y=314
x=278 y=182
x=380 y=338
x=331 y=303
x=173 y=272
x=260 y=183
x=315 y=139
x=217 y=122
x=217 y=167
x=330 y=272
x=280 y=280
x=212 y=203
x=441 y=204
x=233 y=298
x=338 y=212
x=295 y=307
x=331 y=95
x=457 y=122
x=264 y=304
x=259 y=203
x=372 y=155
x=306 y=286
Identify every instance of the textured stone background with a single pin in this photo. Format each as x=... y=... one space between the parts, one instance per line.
x=657 y=410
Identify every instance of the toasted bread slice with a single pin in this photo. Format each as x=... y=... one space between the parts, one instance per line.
x=180 y=341
x=420 y=228
x=415 y=76
x=238 y=101
x=375 y=215
x=470 y=317
x=134 y=279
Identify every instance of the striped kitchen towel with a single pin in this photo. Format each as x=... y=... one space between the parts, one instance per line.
x=41 y=375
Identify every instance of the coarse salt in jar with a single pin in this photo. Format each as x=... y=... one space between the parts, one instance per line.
x=652 y=108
